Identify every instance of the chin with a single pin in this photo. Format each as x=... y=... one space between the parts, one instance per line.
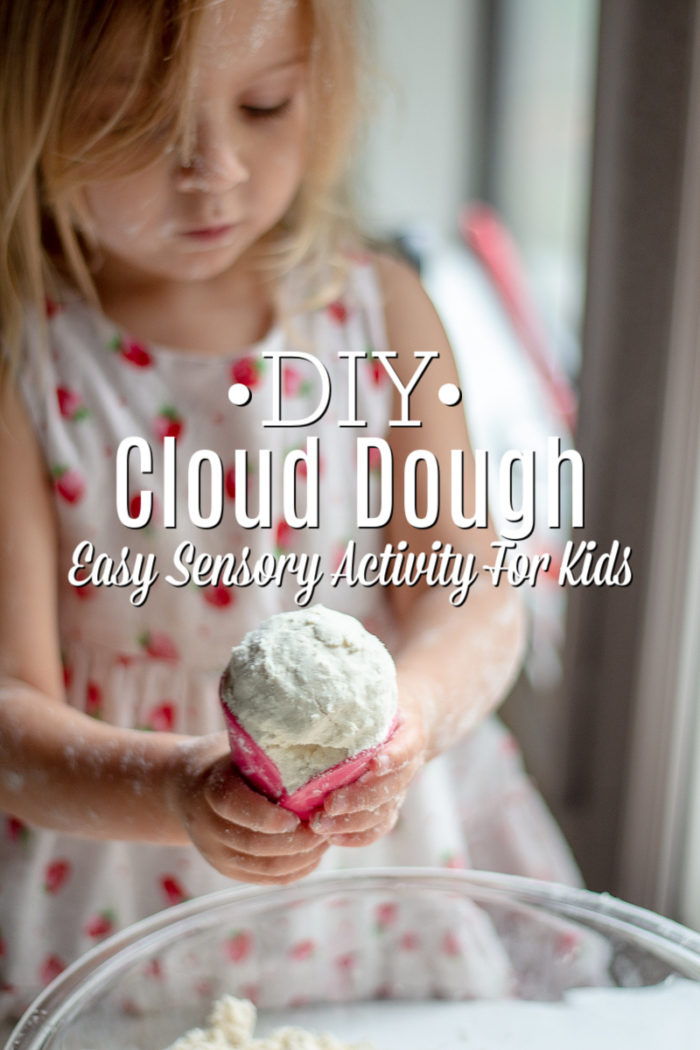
x=200 y=267
x=202 y=270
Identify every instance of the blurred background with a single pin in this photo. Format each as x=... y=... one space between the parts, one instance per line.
x=539 y=161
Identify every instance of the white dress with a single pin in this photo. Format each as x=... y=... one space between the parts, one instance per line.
x=156 y=666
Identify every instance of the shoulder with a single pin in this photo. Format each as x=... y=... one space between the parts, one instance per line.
x=411 y=320
x=396 y=275
x=409 y=314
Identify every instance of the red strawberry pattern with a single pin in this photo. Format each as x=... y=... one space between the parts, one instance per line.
x=51 y=968
x=346 y=963
x=218 y=595
x=85 y=593
x=374 y=458
x=162 y=718
x=283 y=535
x=71 y=405
x=450 y=945
x=230 y=482
x=302 y=469
x=100 y=925
x=67 y=672
x=248 y=370
x=134 y=353
x=68 y=483
x=455 y=861
x=154 y=969
x=302 y=950
x=93 y=700
x=172 y=890
x=293 y=382
x=410 y=941
x=239 y=946
x=386 y=915
x=338 y=311
x=17 y=831
x=56 y=875
x=377 y=371
x=568 y=945
x=158 y=645
x=135 y=507
x=168 y=423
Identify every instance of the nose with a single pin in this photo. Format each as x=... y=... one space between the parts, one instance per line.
x=214 y=167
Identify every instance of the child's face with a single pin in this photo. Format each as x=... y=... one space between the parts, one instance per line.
x=176 y=222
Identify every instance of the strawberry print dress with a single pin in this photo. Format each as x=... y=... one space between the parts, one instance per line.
x=156 y=665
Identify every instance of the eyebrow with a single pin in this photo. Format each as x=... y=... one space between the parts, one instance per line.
x=285 y=63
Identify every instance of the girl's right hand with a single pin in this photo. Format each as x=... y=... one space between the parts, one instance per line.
x=235 y=828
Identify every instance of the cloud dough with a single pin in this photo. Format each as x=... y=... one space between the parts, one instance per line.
x=312 y=688
x=231 y=1025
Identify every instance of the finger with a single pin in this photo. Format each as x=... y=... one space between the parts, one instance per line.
x=352 y=823
x=403 y=746
x=371 y=792
x=261 y=844
x=275 y=867
x=366 y=838
x=268 y=879
x=233 y=800
x=210 y=826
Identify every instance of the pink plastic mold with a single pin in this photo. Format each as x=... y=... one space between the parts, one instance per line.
x=262 y=773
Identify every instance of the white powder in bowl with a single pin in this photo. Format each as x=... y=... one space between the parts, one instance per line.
x=312 y=688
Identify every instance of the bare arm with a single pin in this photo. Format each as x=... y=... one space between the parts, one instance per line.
x=454 y=664
x=61 y=769
x=457 y=663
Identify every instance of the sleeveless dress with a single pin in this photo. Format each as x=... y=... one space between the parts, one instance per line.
x=155 y=666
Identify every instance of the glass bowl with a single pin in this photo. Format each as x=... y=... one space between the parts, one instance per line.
x=410 y=958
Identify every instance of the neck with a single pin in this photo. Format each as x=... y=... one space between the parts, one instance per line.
x=219 y=315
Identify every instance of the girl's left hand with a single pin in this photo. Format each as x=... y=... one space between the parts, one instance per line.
x=363 y=812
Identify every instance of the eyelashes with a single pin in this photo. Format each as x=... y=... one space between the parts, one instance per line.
x=266 y=112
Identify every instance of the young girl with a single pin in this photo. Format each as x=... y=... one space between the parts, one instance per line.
x=172 y=219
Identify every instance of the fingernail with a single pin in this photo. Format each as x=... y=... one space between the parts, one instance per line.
x=291 y=822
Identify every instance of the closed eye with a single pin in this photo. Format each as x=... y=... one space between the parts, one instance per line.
x=266 y=112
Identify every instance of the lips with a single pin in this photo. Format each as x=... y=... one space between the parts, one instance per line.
x=210 y=233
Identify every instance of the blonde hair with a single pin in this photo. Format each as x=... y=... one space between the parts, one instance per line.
x=53 y=53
